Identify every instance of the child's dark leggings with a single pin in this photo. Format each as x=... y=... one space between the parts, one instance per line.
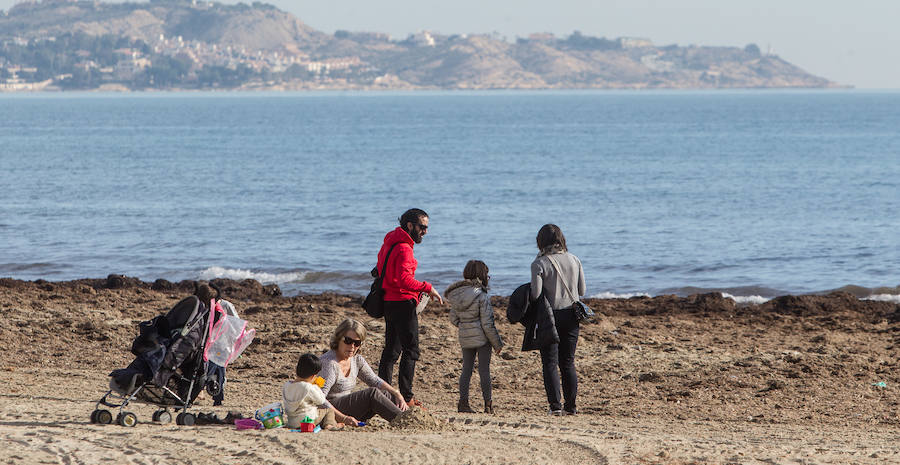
x=484 y=372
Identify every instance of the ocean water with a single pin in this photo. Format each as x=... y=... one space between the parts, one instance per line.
x=751 y=193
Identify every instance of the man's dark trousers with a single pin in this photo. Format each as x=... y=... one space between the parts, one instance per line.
x=401 y=340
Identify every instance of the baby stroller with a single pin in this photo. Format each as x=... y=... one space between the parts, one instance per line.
x=171 y=368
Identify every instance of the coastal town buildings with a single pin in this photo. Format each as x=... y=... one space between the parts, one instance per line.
x=131 y=63
x=15 y=83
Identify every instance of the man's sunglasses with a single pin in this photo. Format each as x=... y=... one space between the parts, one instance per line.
x=352 y=342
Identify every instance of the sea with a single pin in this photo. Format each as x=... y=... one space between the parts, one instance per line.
x=751 y=193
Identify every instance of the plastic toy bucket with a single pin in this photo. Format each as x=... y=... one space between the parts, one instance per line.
x=271 y=416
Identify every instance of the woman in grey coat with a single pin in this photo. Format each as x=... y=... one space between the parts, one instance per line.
x=471 y=312
x=559 y=276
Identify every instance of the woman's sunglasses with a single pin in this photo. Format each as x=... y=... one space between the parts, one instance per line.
x=352 y=342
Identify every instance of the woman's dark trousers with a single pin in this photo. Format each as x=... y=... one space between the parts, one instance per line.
x=401 y=341
x=559 y=359
x=366 y=403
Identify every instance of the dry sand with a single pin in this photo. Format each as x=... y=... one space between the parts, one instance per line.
x=665 y=380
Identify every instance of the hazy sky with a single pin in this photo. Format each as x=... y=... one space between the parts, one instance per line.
x=856 y=43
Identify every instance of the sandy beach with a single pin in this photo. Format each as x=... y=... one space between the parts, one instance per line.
x=663 y=380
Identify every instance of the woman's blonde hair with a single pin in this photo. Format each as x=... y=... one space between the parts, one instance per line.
x=342 y=329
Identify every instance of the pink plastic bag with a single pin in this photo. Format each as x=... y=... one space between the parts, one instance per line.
x=228 y=337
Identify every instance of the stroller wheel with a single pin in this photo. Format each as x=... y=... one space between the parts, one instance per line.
x=162 y=416
x=103 y=417
x=186 y=419
x=127 y=419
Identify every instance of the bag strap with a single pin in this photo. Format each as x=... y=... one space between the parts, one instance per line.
x=386 y=257
x=559 y=273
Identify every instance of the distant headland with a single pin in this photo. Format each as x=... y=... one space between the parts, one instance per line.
x=193 y=45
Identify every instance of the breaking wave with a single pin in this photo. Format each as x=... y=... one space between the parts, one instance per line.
x=746 y=299
x=884 y=298
x=287 y=277
x=214 y=272
x=613 y=295
x=740 y=299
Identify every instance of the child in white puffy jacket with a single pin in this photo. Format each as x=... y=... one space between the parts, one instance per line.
x=471 y=312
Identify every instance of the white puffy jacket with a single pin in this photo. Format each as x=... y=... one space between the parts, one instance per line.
x=471 y=312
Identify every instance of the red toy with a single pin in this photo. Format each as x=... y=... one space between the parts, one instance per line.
x=307 y=425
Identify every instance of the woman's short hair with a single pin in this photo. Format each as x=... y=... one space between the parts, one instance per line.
x=342 y=329
x=550 y=235
x=476 y=269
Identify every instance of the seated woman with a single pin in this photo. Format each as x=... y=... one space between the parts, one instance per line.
x=341 y=366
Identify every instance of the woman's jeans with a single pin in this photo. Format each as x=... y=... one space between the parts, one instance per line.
x=559 y=359
x=484 y=372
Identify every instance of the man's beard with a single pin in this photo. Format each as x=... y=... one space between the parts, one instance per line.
x=416 y=236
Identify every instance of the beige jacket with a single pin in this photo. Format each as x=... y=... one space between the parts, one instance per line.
x=471 y=312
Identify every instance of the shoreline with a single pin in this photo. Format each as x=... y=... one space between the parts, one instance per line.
x=256 y=288
x=113 y=90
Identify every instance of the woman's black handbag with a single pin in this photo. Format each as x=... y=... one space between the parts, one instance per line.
x=374 y=302
x=582 y=311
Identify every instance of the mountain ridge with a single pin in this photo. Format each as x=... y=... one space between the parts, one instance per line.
x=202 y=45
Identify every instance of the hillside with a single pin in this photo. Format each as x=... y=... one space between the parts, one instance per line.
x=176 y=44
x=257 y=28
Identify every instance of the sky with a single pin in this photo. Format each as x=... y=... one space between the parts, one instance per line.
x=852 y=43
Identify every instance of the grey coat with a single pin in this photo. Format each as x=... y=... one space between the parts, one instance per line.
x=544 y=278
x=471 y=312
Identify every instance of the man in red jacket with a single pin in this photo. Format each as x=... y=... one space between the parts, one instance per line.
x=401 y=296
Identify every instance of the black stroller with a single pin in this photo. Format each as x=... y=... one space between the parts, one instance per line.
x=169 y=371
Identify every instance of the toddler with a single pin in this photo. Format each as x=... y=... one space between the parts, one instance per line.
x=302 y=398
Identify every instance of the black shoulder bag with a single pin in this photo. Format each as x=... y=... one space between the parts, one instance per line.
x=582 y=311
x=374 y=302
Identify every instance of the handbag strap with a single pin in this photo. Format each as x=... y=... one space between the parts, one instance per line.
x=559 y=273
x=386 y=257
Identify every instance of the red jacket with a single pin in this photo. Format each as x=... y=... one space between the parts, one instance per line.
x=399 y=281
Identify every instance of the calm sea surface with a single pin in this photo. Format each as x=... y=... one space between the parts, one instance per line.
x=755 y=193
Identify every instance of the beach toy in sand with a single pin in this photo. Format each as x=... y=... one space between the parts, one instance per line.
x=271 y=416
x=247 y=423
x=307 y=425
